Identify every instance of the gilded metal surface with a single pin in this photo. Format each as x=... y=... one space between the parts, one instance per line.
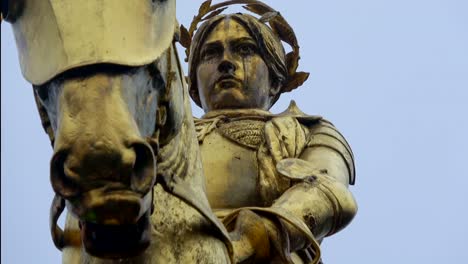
x=282 y=66
x=53 y=36
x=278 y=182
x=244 y=132
x=126 y=162
x=181 y=226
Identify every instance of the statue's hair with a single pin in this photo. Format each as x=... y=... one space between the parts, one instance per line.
x=270 y=49
x=270 y=31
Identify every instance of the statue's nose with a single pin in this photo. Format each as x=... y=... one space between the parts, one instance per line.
x=227 y=66
x=87 y=166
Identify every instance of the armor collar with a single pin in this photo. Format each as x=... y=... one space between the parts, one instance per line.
x=292 y=111
x=238 y=113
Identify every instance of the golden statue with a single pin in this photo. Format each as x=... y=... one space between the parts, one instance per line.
x=112 y=98
x=279 y=182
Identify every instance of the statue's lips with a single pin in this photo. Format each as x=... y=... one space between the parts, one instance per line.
x=226 y=82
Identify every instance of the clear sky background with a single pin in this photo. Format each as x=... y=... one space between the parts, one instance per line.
x=391 y=75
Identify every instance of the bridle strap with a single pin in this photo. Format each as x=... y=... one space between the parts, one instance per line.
x=58 y=203
x=56 y=209
x=45 y=121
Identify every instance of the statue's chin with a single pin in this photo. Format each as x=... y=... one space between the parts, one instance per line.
x=228 y=99
x=116 y=241
x=236 y=98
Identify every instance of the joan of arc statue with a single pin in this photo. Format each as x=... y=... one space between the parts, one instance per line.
x=279 y=182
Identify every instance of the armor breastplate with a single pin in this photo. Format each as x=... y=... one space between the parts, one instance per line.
x=229 y=155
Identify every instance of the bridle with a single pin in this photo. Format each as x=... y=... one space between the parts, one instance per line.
x=58 y=205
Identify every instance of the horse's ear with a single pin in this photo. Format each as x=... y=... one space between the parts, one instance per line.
x=44 y=117
x=171 y=111
x=11 y=10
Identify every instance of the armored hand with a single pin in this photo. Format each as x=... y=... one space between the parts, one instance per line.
x=249 y=236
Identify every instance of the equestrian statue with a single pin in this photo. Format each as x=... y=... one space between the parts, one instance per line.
x=145 y=182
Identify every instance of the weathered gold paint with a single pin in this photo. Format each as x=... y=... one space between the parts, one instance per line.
x=231 y=73
x=278 y=182
x=182 y=227
x=110 y=124
x=53 y=36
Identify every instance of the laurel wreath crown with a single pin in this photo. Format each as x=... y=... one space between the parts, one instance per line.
x=269 y=17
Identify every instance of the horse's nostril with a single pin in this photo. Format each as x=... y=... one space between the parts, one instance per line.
x=93 y=169
x=61 y=183
x=144 y=169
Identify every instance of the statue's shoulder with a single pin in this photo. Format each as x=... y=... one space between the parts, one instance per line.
x=310 y=121
x=321 y=132
x=303 y=118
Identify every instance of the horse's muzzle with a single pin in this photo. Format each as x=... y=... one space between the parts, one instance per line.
x=110 y=192
x=115 y=242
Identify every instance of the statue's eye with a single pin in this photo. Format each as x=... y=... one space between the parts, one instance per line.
x=246 y=49
x=210 y=52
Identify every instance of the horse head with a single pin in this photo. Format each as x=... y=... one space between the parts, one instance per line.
x=100 y=75
x=103 y=164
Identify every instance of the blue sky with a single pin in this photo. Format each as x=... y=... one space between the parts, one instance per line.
x=391 y=75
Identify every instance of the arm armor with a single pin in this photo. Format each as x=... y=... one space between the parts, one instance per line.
x=324 y=134
x=325 y=204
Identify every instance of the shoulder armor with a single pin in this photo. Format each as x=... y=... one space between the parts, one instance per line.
x=323 y=133
x=294 y=111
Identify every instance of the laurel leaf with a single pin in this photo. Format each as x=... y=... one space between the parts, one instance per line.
x=295 y=81
x=268 y=16
x=284 y=31
x=214 y=13
x=204 y=8
x=292 y=62
x=185 y=38
x=258 y=8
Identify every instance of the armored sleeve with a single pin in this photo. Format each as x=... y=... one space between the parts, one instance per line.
x=305 y=169
x=319 y=176
x=322 y=201
x=325 y=135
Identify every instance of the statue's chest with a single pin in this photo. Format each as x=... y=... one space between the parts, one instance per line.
x=230 y=164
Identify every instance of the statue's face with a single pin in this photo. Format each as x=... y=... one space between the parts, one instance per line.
x=231 y=73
